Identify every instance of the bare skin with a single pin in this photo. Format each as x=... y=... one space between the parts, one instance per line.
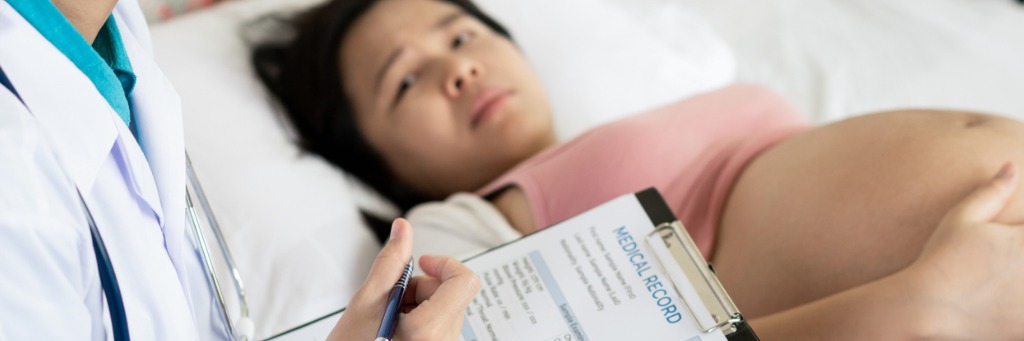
x=87 y=17
x=964 y=285
x=426 y=70
x=512 y=204
x=852 y=202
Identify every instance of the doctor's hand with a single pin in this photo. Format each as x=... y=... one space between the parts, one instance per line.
x=433 y=305
x=971 y=272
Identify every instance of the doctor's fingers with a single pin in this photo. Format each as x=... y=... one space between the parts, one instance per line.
x=420 y=289
x=457 y=286
x=391 y=260
x=442 y=296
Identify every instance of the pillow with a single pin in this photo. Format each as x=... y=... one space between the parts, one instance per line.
x=288 y=217
x=598 y=64
x=291 y=219
x=836 y=59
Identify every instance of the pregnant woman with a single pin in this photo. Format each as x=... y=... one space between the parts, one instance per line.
x=882 y=226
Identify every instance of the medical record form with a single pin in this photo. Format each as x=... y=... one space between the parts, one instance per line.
x=625 y=270
x=592 y=277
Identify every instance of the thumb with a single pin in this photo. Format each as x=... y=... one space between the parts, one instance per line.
x=393 y=257
x=987 y=201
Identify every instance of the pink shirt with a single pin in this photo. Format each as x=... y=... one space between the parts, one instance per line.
x=691 y=151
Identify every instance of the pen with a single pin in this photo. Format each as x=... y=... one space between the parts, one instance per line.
x=390 y=320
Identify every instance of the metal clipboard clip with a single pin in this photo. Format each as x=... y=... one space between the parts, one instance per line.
x=686 y=268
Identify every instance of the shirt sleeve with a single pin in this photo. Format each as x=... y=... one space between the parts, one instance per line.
x=461 y=226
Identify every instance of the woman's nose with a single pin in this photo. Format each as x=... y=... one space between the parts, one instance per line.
x=464 y=73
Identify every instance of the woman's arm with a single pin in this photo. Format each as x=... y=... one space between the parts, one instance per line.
x=966 y=284
x=886 y=309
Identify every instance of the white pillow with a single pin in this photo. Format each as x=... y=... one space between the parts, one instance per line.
x=836 y=58
x=597 y=63
x=291 y=219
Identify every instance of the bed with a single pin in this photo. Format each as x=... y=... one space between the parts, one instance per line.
x=293 y=222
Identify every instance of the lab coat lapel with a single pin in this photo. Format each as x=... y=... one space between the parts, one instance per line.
x=157 y=110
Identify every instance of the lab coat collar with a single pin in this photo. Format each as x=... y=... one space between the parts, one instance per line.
x=79 y=120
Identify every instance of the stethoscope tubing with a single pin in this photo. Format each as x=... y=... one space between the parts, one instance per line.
x=108 y=279
x=243 y=329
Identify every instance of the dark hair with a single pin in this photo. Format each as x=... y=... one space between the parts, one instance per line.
x=303 y=73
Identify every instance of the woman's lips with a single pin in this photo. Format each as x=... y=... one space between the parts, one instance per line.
x=487 y=103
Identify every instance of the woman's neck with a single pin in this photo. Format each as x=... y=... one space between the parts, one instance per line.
x=87 y=16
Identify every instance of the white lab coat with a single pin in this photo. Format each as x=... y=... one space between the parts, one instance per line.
x=66 y=135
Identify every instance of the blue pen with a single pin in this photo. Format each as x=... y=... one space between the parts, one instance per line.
x=390 y=320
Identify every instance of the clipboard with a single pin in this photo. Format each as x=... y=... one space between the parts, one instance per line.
x=674 y=252
x=684 y=255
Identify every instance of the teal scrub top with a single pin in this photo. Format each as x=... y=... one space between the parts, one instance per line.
x=105 y=62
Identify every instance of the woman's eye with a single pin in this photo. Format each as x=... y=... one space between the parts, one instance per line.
x=460 y=39
x=405 y=85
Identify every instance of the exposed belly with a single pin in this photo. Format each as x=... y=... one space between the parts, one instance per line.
x=847 y=203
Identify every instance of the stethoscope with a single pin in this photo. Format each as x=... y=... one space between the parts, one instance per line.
x=243 y=329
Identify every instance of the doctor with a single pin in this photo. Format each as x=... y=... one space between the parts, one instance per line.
x=90 y=130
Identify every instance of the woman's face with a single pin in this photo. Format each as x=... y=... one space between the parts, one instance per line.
x=449 y=104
